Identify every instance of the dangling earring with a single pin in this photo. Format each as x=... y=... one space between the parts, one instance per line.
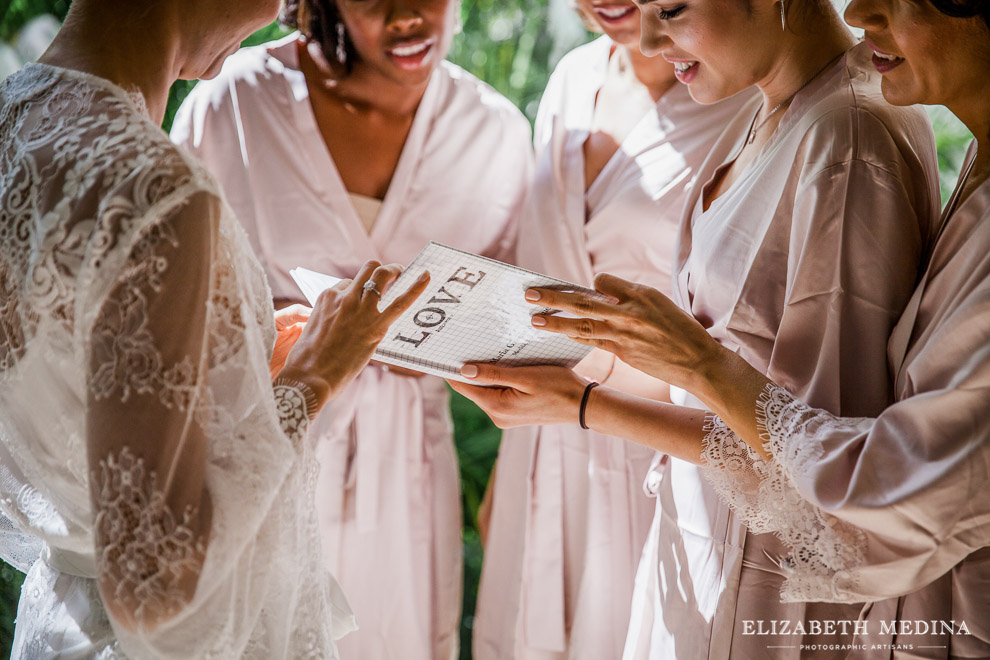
x=341 y=47
x=783 y=16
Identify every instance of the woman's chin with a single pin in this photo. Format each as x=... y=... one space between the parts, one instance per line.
x=210 y=69
x=896 y=94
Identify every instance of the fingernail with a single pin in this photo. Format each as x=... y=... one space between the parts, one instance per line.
x=532 y=295
x=539 y=321
x=469 y=371
x=425 y=275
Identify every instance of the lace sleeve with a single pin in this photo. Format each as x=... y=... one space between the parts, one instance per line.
x=765 y=500
x=188 y=444
x=871 y=508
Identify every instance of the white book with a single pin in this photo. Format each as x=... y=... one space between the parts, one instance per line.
x=473 y=310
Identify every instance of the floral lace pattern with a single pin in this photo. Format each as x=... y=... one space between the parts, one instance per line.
x=764 y=496
x=134 y=343
x=147 y=552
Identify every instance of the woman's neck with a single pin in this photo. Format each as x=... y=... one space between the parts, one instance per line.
x=99 y=39
x=972 y=108
x=363 y=88
x=806 y=50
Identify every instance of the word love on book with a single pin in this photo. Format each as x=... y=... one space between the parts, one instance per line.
x=461 y=283
x=474 y=311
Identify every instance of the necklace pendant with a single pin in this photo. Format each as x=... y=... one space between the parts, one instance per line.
x=751 y=138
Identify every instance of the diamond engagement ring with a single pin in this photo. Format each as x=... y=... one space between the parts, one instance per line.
x=370 y=286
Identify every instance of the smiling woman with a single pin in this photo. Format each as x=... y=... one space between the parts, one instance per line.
x=618 y=141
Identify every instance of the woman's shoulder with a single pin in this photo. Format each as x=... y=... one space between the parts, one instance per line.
x=576 y=61
x=114 y=144
x=464 y=95
x=849 y=119
x=250 y=75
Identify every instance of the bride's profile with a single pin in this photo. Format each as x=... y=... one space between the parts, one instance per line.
x=155 y=480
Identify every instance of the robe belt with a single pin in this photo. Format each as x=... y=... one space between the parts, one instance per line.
x=365 y=418
x=543 y=616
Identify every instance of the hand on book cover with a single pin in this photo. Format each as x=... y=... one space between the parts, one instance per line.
x=523 y=396
x=644 y=328
x=473 y=311
x=344 y=328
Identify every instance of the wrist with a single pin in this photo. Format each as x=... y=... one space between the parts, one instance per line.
x=717 y=369
x=316 y=389
x=583 y=408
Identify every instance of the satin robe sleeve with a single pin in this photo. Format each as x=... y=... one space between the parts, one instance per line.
x=855 y=245
x=857 y=231
x=874 y=508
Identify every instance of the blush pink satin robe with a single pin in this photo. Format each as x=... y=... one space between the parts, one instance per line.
x=802 y=267
x=388 y=495
x=569 y=516
x=903 y=496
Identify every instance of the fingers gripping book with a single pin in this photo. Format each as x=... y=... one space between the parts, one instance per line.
x=473 y=310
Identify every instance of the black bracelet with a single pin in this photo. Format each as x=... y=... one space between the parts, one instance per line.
x=584 y=403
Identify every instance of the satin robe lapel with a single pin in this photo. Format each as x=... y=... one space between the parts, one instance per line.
x=900 y=338
x=643 y=134
x=333 y=191
x=693 y=210
x=386 y=226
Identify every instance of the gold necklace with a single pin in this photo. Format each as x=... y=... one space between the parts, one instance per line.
x=754 y=129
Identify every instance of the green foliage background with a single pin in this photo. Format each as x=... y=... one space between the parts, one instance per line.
x=513 y=45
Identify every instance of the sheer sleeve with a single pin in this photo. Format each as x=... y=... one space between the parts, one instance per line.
x=188 y=445
x=18 y=548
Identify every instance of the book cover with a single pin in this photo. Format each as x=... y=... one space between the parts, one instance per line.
x=473 y=310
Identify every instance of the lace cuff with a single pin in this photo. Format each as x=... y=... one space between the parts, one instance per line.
x=764 y=496
x=296 y=404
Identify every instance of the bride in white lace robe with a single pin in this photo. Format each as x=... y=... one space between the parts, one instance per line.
x=154 y=484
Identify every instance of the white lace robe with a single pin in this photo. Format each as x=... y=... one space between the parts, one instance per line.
x=143 y=451
x=893 y=505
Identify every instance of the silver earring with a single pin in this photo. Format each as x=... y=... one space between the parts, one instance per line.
x=783 y=16
x=341 y=48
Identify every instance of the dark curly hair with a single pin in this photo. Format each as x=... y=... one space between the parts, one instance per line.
x=964 y=9
x=317 y=21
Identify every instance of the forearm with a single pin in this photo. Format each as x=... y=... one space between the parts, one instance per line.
x=731 y=388
x=671 y=429
x=633 y=381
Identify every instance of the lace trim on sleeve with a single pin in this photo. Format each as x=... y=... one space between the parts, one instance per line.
x=764 y=496
x=295 y=403
x=146 y=551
